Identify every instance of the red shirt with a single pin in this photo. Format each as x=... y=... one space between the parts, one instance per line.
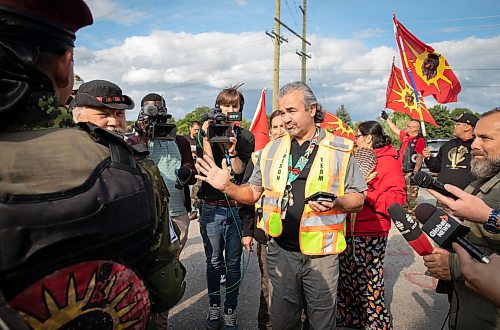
x=405 y=140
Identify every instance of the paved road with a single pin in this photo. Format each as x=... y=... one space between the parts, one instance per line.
x=409 y=293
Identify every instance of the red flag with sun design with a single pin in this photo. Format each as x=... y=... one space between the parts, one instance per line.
x=431 y=73
x=401 y=98
x=336 y=126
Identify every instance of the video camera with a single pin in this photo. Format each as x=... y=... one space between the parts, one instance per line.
x=219 y=131
x=157 y=127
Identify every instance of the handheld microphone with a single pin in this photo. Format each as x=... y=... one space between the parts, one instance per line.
x=410 y=230
x=425 y=180
x=183 y=174
x=444 y=230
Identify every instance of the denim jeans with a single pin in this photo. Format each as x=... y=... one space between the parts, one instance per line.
x=221 y=232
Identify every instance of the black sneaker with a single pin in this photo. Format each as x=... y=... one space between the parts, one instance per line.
x=213 y=318
x=229 y=319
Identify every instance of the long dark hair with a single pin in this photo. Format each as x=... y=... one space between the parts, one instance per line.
x=374 y=129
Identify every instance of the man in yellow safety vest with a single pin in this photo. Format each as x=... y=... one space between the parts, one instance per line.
x=306 y=234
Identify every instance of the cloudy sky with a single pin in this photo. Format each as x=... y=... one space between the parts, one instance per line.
x=189 y=50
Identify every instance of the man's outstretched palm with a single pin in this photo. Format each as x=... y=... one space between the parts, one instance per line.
x=212 y=174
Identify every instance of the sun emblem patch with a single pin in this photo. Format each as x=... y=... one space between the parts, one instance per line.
x=88 y=295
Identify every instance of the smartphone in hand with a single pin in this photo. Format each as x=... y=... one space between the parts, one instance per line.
x=321 y=196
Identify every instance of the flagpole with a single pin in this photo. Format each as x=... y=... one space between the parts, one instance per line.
x=410 y=74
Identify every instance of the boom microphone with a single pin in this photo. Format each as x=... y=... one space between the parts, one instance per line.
x=425 y=180
x=444 y=230
x=410 y=230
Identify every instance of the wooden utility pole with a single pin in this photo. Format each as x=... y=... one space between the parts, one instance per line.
x=303 y=53
x=277 y=42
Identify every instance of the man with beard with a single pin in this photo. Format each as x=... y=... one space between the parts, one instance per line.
x=468 y=308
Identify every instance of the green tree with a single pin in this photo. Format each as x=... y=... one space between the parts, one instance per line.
x=400 y=120
x=245 y=123
x=183 y=123
x=344 y=115
x=458 y=111
x=443 y=118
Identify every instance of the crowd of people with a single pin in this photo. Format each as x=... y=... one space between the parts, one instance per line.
x=93 y=221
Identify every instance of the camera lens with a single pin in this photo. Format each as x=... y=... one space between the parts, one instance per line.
x=150 y=110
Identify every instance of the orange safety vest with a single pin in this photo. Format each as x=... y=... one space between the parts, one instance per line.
x=320 y=233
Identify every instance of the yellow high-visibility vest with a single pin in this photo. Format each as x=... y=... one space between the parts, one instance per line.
x=320 y=233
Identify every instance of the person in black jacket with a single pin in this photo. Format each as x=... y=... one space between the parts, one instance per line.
x=454 y=157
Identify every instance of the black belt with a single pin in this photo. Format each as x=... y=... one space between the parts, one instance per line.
x=221 y=202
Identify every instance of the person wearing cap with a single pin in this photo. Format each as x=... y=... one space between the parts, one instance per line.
x=102 y=103
x=453 y=160
x=79 y=213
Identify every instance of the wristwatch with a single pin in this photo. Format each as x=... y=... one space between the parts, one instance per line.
x=492 y=226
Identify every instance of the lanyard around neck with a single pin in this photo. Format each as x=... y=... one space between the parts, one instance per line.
x=294 y=172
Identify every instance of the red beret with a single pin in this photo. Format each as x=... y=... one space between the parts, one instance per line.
x=69 y=15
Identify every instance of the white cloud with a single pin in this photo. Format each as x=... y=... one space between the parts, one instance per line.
x=190 y=69
x=111 y=10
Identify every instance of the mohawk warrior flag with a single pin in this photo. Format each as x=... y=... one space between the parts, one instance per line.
x=400 y=97
x=259 y=126
x=336 y=126
x=431 y=73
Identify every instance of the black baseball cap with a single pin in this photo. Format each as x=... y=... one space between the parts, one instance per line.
x=102 y=94
x=467 y=118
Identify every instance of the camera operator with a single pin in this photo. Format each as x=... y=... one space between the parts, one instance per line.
x=469 y=309
x=220 y=224
x=171 y=153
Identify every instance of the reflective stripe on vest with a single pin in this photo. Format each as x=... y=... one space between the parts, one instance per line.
x=320 y=233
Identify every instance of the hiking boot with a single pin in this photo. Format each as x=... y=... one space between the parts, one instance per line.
x=213 y=318
x=229 y=319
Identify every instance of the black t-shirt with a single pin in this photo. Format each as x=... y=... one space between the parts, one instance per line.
x=245 y=145
x=291 y=225
x=453 y=162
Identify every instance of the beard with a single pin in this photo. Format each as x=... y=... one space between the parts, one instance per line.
x=487 y=167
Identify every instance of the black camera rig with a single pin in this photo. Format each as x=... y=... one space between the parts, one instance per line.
x=219 y=131
x=156 y=127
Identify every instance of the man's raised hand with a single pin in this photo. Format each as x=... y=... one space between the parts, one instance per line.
x=209 y=172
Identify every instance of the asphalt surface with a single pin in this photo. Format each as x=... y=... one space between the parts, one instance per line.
x=410 y=293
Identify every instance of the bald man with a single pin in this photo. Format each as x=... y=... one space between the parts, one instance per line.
x=411 y=158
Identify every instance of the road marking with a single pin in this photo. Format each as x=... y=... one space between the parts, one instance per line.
x=188 y=302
